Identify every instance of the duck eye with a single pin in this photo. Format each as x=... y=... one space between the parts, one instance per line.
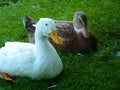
x=46 y=24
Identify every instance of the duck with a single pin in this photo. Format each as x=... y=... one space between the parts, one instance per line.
x=39 y=61
x=75 y=35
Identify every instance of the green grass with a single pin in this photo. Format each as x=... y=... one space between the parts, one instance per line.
x=93 y=71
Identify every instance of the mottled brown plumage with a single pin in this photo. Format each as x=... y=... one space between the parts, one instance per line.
x=75 y=36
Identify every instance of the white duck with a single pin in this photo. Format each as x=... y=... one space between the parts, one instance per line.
x=39 y=61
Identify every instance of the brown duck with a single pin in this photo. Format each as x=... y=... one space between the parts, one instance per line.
x=75 y=34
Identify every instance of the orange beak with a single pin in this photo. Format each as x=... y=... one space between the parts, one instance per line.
x=54 y=36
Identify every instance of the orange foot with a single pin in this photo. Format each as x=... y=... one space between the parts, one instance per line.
x=7 y=77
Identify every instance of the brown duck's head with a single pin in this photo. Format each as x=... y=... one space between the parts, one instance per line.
x=80 y=22
x=29 y=24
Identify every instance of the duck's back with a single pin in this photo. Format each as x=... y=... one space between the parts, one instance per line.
x=15 y=55
x=12 y=48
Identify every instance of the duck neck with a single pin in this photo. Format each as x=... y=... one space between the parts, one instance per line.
x=42 y=45
x=42 y=49
x=77 y=29
x=84 y=31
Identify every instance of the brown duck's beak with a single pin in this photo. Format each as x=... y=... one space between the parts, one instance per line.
x=54 y=36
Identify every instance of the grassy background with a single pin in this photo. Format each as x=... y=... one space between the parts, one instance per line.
x=93 y=71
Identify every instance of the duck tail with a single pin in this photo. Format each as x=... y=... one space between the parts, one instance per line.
x=29 y=24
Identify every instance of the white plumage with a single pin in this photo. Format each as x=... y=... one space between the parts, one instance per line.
x=39 y=61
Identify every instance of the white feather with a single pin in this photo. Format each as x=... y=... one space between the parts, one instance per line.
x=39 y=61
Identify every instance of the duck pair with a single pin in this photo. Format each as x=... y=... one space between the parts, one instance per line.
x=75 y=35
x=40 y=60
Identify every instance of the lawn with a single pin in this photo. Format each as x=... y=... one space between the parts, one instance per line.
x=95 y=70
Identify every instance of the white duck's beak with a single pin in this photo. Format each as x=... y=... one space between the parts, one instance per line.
x=54 y=36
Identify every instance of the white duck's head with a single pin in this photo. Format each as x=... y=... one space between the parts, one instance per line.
x=46 y=27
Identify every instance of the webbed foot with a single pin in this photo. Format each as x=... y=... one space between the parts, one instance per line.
x=7 y=77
